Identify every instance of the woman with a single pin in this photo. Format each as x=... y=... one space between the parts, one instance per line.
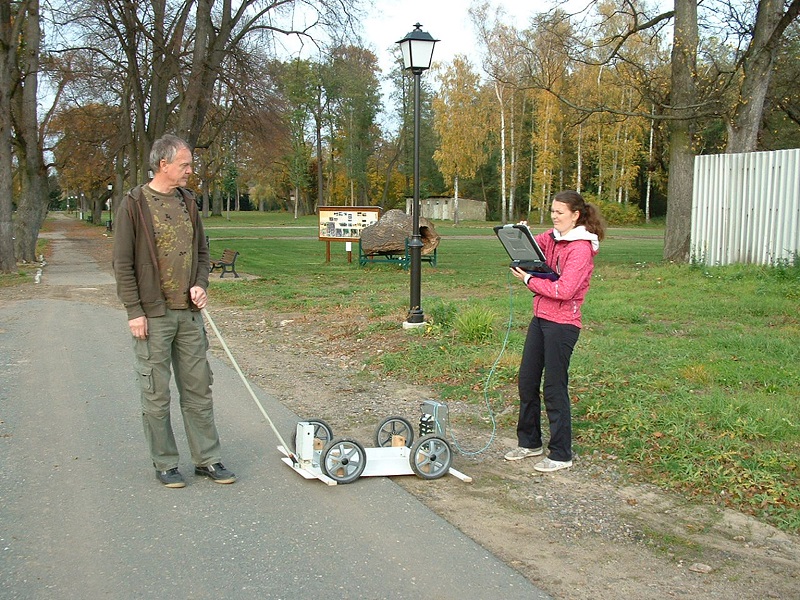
x=569 y=247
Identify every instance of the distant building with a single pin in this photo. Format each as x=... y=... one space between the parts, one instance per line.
x=441 y=208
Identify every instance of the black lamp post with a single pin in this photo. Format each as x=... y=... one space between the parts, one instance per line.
x=417 y=48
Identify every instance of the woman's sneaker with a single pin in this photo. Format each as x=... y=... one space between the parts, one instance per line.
x=549 y=465
x=520 y=453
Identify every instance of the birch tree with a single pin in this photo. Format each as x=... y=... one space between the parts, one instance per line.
x=503 y=66
x=544 y=143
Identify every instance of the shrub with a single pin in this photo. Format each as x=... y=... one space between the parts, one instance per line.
x=475 y=325
x=614 y=213
x=618 y=214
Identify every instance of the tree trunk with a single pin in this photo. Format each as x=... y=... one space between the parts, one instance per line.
x=681 y=156
x=32 y=208
x=318 y=130
x=97 y=209
x=215 y=198
x=503 y=206
x=455 y=200
x=649 y=169
x=530 y=181
x=600 y=144
x=745 y=122
x=578 y=177
x=206 y=59
x=512 y=176
x=8 y=262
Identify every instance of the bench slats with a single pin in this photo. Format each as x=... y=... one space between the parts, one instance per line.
x=227 y=263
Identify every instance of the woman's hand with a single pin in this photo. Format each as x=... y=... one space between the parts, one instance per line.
x=520 y=274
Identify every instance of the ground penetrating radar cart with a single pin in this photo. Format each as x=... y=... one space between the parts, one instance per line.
x=343 y=460
x=318 y=455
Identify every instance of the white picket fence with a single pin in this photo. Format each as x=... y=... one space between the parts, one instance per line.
x=746 y=208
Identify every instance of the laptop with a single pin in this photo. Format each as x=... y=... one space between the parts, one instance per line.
x=525 y=253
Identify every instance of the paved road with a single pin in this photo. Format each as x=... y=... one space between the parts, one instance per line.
x=82 y=516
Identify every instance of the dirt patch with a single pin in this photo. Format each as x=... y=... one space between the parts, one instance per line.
x=586 y=533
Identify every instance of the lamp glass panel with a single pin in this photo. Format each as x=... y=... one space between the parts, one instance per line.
x=422 y=53
x=405 y=46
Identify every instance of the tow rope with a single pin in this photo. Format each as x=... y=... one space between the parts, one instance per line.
x=247 y=385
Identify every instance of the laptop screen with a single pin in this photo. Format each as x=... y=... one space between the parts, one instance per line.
x=525 y=253
x=519 y=243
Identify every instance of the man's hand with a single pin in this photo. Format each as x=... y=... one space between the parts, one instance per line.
x=198 y=296
x=138 y=327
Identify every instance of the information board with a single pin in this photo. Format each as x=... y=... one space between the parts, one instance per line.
x=344 y=223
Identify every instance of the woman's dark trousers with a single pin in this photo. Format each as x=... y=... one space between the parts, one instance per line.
x=548 y=349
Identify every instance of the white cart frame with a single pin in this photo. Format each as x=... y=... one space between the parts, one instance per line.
x=343 y=460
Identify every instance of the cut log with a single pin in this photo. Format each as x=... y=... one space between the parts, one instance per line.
x=388 y=235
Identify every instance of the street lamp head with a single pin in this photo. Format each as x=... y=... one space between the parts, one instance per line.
x=110 y=187
x=417 y=48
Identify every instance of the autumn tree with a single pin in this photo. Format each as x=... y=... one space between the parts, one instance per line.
x=353 y=93
x=544 y=143
x=755 y=66
x=172 y=56
x=430 y=177
x=84 y=156
x=781 y=128
x=263 y=142
x=298 y=86
x=460 y=121
x=727 y=87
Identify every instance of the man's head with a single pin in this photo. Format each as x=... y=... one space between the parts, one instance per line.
x=171 y=162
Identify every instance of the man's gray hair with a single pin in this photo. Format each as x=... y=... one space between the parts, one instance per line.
x=166 y=148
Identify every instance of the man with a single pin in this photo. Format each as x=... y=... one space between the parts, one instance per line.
x=161 y=264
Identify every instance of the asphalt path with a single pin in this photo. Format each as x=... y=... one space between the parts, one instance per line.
x=83 y=517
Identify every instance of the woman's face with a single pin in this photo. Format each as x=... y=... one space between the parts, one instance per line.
x=564 y=218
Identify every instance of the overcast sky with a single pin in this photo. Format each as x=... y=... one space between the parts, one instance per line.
x=446 y=20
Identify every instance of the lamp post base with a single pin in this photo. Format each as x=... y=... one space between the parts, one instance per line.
x=410 y=325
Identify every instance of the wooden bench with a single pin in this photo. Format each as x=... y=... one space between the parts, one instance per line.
x=400 y=258
x=227 y=263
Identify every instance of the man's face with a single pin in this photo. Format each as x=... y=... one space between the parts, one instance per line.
x=176 y=174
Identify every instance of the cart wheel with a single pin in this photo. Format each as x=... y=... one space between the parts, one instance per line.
x=343 y=460
x=322 y=432
x=392 y=426
x=430 y=457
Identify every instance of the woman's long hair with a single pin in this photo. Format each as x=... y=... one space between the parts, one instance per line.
x=590 y=214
